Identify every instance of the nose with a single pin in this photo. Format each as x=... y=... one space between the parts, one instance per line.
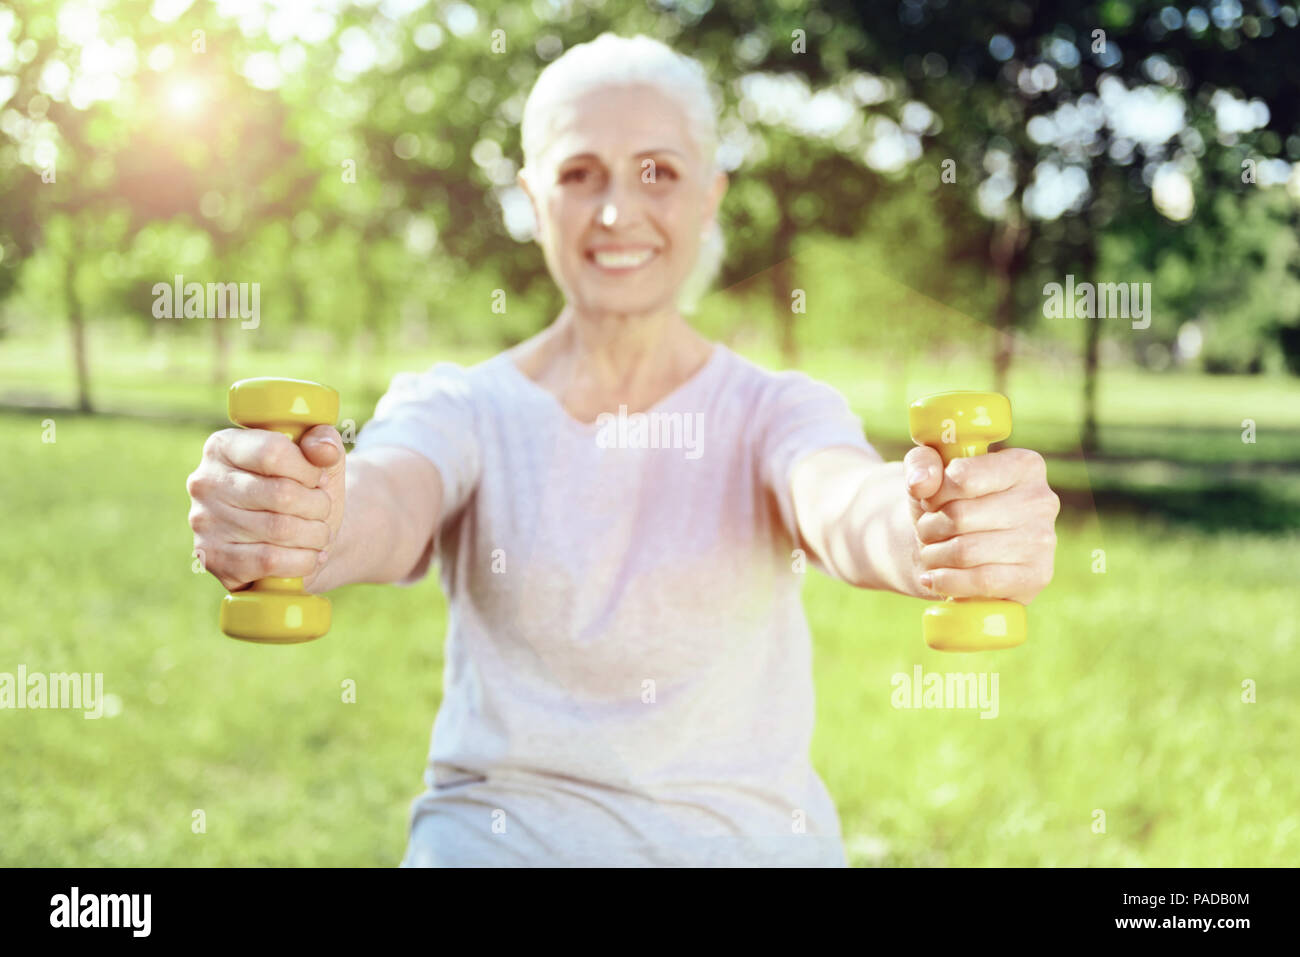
x=617 y=206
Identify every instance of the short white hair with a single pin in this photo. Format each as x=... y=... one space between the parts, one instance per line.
x=612 y=60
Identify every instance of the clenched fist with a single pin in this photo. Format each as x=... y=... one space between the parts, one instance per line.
x=264 y=506
x=985 y=525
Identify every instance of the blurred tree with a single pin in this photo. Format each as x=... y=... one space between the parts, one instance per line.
x=1037 y=97
x=140 y=146
x=351 y=157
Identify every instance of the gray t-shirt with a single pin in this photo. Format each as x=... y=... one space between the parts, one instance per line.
x=628 y=674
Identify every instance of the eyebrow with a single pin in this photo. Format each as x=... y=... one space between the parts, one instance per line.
x=661 y=149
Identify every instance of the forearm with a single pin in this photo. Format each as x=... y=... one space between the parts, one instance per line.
x=860 y=524
x=381 y=536
x=877 y=535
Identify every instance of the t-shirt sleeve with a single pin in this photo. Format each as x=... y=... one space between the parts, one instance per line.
x=804 y=416
x=431 y=413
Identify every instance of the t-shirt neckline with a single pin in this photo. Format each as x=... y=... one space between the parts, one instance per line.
x=693 y=381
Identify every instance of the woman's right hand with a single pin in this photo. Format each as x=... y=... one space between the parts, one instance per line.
x=263 y=506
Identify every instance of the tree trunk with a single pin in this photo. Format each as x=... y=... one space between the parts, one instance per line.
x=77 y=321
x=1007 y=253
x=1091 y=351
x=1090 y=437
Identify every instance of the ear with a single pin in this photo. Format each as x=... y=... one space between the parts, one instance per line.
x=522 y=180
x=717 y=189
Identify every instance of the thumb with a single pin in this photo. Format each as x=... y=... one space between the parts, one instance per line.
x=923 y=469
x=323 y=446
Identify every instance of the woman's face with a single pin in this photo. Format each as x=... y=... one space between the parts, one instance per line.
x=622 y=195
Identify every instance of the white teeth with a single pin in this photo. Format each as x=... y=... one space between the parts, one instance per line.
x=622 y=260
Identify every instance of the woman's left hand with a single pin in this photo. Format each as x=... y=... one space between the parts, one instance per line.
x=985 y=526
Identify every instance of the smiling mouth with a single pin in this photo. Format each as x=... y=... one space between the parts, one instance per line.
x=621 y=260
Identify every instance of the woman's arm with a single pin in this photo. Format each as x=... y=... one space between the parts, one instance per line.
x=853 y=513
x=983 y=527
x=393 y=506
x=264 y=506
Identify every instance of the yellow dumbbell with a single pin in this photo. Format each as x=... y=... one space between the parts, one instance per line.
x=957 y=424
x=276 y=610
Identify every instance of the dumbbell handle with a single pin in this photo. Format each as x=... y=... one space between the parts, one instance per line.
x=277 y=610
x=956 y=425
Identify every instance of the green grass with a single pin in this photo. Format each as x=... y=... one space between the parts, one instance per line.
x=1127 y=698
x=97 y=561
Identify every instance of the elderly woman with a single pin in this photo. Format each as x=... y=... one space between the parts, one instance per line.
x=616 y=506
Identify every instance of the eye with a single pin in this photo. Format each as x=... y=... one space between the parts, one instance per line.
x=576 y=174
x=661 y=172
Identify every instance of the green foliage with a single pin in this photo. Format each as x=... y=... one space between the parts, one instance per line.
x=363 y=194
x=1121 y=701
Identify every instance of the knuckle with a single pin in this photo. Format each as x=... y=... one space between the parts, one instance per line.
x=281 y=495
x=261 y=562
x=217 y=441
x=215 y=562
x=200 y=520
x=1035 y=465
x=267 y=457
x=1053 y=503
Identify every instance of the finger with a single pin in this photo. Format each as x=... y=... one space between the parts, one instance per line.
x=975 y=476
x=1017 y=546
x=923 y=468
x=247 y=562
x=965 y=516
x=272 y=528
x=266 y=453
x=983 y=581
x=322 y=446
x=258 y=493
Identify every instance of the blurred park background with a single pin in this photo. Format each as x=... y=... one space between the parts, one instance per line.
x=907 y=177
